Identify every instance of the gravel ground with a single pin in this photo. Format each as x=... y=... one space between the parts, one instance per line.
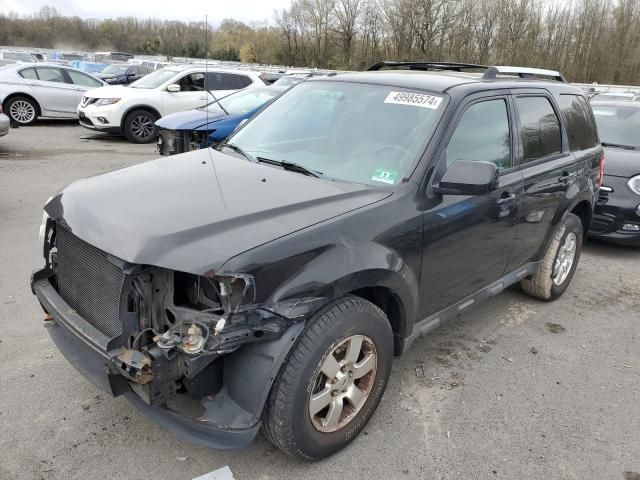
x=515 y=389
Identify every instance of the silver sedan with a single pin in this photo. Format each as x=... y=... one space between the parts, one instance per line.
x=4 y=124
x=29 y=91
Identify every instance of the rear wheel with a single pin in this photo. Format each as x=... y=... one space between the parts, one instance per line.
x=139 y=126
x=332 y=380
x=22 y=110
x=559 y=262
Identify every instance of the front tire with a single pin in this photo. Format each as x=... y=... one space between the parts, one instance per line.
x=139 y=126
x=22 y=110
x=559 y=263
x=332 y=381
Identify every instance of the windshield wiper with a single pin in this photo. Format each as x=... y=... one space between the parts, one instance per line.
x=236 y=149
x=293 y=167
x=617 y=145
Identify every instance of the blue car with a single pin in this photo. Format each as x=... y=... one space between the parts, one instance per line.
x=212 y=123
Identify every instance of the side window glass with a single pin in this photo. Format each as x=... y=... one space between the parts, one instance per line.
x=50 y=74
x=194 y=82
x=29 y=73
x=580 y=127
x=540 y=128
x=81 y=79
x=482 y=134
x=242 y=81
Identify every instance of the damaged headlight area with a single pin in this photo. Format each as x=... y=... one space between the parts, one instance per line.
x=187 y=323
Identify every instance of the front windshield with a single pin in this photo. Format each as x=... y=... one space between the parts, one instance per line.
x=287 y=81
x=613 y=97
x=618 y=125
x=155 y=79
x=22 y=57
x=242 y=102
x=367 y=134
x=115 y=69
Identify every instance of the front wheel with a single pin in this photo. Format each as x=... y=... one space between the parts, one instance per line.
x=559 y=263
x=332 y=380
x=139 y=126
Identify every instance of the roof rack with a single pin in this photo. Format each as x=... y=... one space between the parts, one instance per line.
x=426 y=65
x=522 y=72
x=491 y=73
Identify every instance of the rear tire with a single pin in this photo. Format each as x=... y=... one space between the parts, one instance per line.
x=559 y=263
x=139 y=126
x=343 y=400
x=21 y=110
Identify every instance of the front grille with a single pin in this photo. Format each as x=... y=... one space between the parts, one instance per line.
x=89 y=283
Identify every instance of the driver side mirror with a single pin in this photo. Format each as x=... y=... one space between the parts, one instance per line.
x=466 y=177
x=174 y=87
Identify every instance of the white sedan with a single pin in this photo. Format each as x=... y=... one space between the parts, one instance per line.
x=133 y=110
x=29 y=91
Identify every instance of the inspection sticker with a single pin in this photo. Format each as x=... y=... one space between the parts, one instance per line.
x=385 y=176
x=414 y=99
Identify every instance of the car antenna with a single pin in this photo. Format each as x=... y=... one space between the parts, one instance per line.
x=206 y=70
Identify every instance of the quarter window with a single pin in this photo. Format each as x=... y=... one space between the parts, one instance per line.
x=50 y=74
x=540 y=128
x=577 y=117
x=29 y=73
x=482 y=134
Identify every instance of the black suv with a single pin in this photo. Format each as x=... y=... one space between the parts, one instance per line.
x=270 y=281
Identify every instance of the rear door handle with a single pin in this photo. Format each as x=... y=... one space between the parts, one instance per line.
x=565 y=177
x=506 y=197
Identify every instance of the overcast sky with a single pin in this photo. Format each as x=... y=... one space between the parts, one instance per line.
x=244 y=10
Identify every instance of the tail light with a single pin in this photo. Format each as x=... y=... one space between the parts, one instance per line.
x=601 y=173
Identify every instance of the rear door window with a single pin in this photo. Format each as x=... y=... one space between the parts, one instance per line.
x=539 y=128
x=227 y=81
x=579 y=121
x=482 y=134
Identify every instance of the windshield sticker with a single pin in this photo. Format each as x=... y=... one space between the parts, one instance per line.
x=414 y=99
x=385 y=176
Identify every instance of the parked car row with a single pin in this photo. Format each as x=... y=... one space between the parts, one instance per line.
x=274 y=276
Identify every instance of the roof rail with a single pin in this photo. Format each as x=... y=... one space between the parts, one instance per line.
x=426 y=65
x=491 y=73
x=522 y=72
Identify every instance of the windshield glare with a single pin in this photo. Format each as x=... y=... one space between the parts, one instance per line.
x=155 y=79
x=618 y=125
x=242 y=102
x=117 y=69
x=367 y=134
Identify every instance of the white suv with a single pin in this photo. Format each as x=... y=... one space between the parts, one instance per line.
x=133 y=110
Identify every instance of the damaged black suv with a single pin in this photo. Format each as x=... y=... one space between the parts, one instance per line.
x=271 y=280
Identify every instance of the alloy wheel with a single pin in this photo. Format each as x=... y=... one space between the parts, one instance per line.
x=343 y=384
x=564 y=259
x=22 y=111
x=142 y=126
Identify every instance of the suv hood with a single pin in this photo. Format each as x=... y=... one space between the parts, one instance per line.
x=190 y=119
x=195 y=211
x=620 y=162
x=119 y=91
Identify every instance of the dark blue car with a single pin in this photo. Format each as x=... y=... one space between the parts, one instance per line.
x=212 y=123
x=122 y=73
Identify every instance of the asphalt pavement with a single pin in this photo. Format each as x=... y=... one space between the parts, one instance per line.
x=513 y=389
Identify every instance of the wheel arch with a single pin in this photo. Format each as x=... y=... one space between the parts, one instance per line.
x=22 y=94
x=148 y=108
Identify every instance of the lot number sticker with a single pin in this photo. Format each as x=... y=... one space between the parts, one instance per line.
x=385 y=176
x=414 y=99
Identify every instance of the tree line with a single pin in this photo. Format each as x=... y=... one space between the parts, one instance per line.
x=587 y=40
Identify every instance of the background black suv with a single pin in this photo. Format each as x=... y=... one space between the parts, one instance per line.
x=274 y=278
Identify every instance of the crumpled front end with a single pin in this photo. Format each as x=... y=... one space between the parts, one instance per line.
x=173 y=142
x=194 y=353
